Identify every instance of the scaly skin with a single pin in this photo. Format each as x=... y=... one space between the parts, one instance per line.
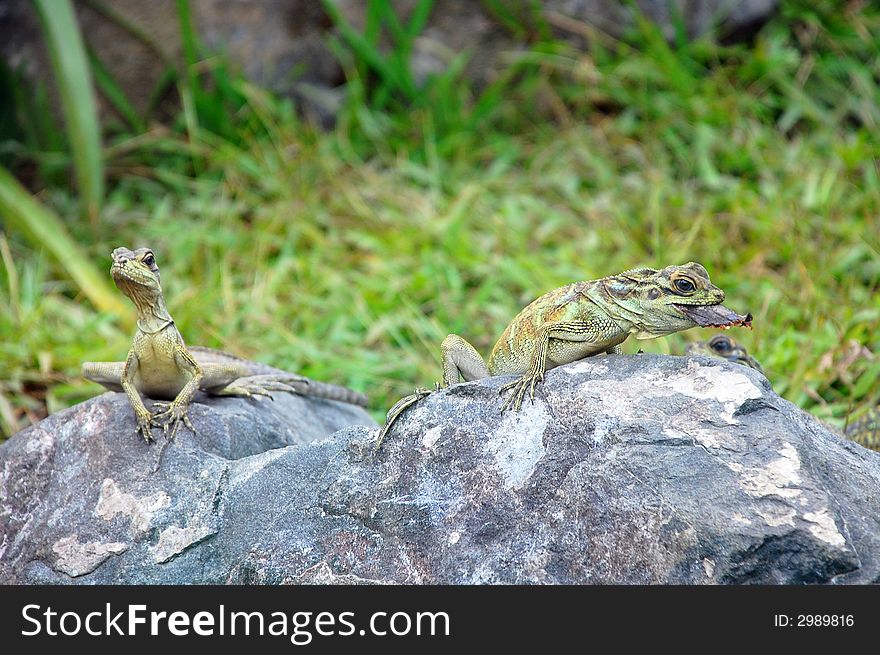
x=580 y=320
x=865 y=431
x=160 y=366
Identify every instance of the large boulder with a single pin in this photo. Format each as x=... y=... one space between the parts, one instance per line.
x=626 y=469
x=81 y=487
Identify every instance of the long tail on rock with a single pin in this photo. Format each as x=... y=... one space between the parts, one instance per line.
x=315 y=389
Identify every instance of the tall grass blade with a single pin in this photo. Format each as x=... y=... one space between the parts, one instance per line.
x=74 y=80
x=44 y=228
x=114 y=94
x=369 y=53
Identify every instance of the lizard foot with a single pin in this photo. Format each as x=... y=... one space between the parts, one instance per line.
x=518 y=388
x=263 y=385
x=174 y=415
x=400 y=406
x=145 y=425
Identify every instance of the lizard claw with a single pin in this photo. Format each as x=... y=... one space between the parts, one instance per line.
x=174 y=415
x=535 y=379
x=518 y=388
x=145 y=427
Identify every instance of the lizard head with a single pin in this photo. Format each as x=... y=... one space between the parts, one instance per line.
x=722 y=345
x=672 y=299
x=136 y=274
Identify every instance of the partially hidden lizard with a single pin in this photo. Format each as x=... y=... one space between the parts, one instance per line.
x=160 y=365
x=583 y=319
x=865 y=431
x=722 y=345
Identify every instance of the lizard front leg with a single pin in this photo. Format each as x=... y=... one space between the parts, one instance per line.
x=145 y=420
x=580 y=331
x=176 y=412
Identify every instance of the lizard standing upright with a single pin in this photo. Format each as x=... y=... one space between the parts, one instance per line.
x=159 y=364
x=583 y=319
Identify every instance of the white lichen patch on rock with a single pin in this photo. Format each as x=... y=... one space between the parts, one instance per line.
x=778 y=478
x=602 y=427
x=43 y=443
x=431 y=437
x=112 y=501
x=739 y=518
x=824 y=528
x=93 y=419
x=597 y=366
x=516 y=444
x=776 y=515
x=322 y=574
x=173 y=540
x=75 y=558
x=727 y=387
x=247 y=467
x=708 y=567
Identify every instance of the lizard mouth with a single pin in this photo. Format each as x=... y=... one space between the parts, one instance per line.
x=130 y=274
x=717 y=316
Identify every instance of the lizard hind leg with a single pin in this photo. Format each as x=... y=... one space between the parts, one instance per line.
x=461 y=360
x=235 y=379
x=263 y=385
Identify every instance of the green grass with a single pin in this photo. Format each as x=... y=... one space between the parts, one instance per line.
x=71 y=69
x=349 y=255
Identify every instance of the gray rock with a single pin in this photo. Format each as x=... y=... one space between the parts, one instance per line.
x=626 y=469
x=80 y=488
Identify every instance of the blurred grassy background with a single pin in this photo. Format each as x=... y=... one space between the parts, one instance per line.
x=348 y=255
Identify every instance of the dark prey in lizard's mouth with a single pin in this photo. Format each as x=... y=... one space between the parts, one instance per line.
x=717 y=316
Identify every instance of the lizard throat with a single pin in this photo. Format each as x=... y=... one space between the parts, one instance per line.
x=152 y=314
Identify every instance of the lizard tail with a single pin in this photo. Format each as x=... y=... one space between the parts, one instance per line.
x=334 y=392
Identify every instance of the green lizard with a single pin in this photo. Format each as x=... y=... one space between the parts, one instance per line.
x=160 y=365
x=580 y=320
x=865 y=431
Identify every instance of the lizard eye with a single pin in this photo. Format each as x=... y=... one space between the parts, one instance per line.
x=149 y=260
x=684 y=285
x=720 y=344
